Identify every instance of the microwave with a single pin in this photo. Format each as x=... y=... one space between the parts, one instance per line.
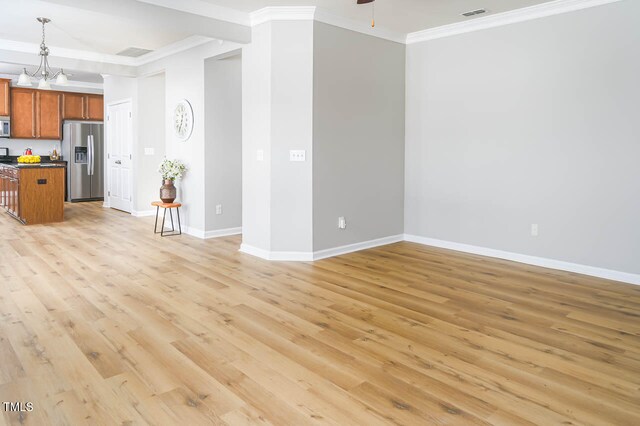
x=5 y=127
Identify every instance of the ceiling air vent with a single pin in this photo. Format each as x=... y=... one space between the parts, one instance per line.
x=134 y=52
x=474 y=12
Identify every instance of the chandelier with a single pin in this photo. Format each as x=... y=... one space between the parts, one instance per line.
x=44 y=71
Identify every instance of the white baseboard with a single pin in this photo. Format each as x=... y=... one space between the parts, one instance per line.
x=144 y=213
x=291 y=256
x=205 y=235
x=317 y=255
x=337 y=251
x=530 y=260
x=222 y=233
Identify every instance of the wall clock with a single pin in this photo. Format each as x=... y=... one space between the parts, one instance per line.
x=183 y=120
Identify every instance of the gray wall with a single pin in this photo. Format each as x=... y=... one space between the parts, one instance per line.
x=535 y=122
x=223 y=142
x=151 y=118
x=291 y=129
x=358 y=137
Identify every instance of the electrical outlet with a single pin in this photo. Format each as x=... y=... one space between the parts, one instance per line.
x=149 y=151
x=342 y=223
x=297 y=155
x=260 y=155
x=219 y=209
x=534 y=229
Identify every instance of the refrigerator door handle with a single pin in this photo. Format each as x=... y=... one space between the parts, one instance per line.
x=88 y=155
x=93 y=155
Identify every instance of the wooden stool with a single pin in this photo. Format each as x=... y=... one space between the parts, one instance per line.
x=165 y=206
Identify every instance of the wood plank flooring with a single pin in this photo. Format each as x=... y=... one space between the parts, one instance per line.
x=103 y=322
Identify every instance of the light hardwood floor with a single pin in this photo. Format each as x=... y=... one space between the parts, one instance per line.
x=101 y=322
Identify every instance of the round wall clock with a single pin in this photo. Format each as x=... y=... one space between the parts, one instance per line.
x=183 y=120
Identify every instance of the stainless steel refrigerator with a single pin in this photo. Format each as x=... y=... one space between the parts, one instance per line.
x=83 y=148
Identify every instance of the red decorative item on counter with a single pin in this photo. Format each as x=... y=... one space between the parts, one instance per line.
x=28 y=151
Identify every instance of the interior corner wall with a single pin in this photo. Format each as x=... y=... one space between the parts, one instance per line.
x=223 y=143
x=530 y=123
x=358 y=137
x=151 y=118
x=277 y=107
x=256 y=139
x=291 y=129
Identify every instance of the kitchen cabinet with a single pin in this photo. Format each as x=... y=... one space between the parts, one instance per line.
x=5 y=99
x=23 y=113
x=82 y=106
x=34 y=194
x=9 y=187
x=95 y=107
x=35 y=114
x=48 y=115
x=73 y=106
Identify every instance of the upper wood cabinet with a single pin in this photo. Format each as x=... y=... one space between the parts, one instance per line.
x=81 y=106
x=23 y=113
x=38 y=114
x=95 y=107
x=5 y=98
x=73 y=106
x=48 y=115
x=35 y=114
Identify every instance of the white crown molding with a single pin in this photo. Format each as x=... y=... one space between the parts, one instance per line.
x=511 y=17
x=203 y=8
x=529 y=260
x=282 y=13
x=312 y=13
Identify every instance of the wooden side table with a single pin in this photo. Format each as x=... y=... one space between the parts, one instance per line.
x=167 y=206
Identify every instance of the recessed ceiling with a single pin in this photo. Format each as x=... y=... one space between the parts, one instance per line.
x=79 y=29
x=402 y=16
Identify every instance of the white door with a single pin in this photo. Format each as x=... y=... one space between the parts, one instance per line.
x=119 y=155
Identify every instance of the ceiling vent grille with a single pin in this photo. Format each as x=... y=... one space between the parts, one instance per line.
x=134 y=52
x=474 y=12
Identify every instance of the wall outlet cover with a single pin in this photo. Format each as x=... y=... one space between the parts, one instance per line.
x=297 y=155
x=149 y=151
x=342 y=223
x=534 y=230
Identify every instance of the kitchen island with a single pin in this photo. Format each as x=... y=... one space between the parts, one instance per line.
x=33 y=193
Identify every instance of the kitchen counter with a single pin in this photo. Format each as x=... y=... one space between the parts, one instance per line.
x=33 y=193
x=33 y=165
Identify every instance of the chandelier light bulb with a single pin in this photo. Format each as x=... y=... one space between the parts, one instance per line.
x=44 y=84
x=62 y=79
x=24 y=80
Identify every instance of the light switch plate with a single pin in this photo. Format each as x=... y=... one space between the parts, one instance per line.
x=297 y=155
x=149 y=151
x=260 y=155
